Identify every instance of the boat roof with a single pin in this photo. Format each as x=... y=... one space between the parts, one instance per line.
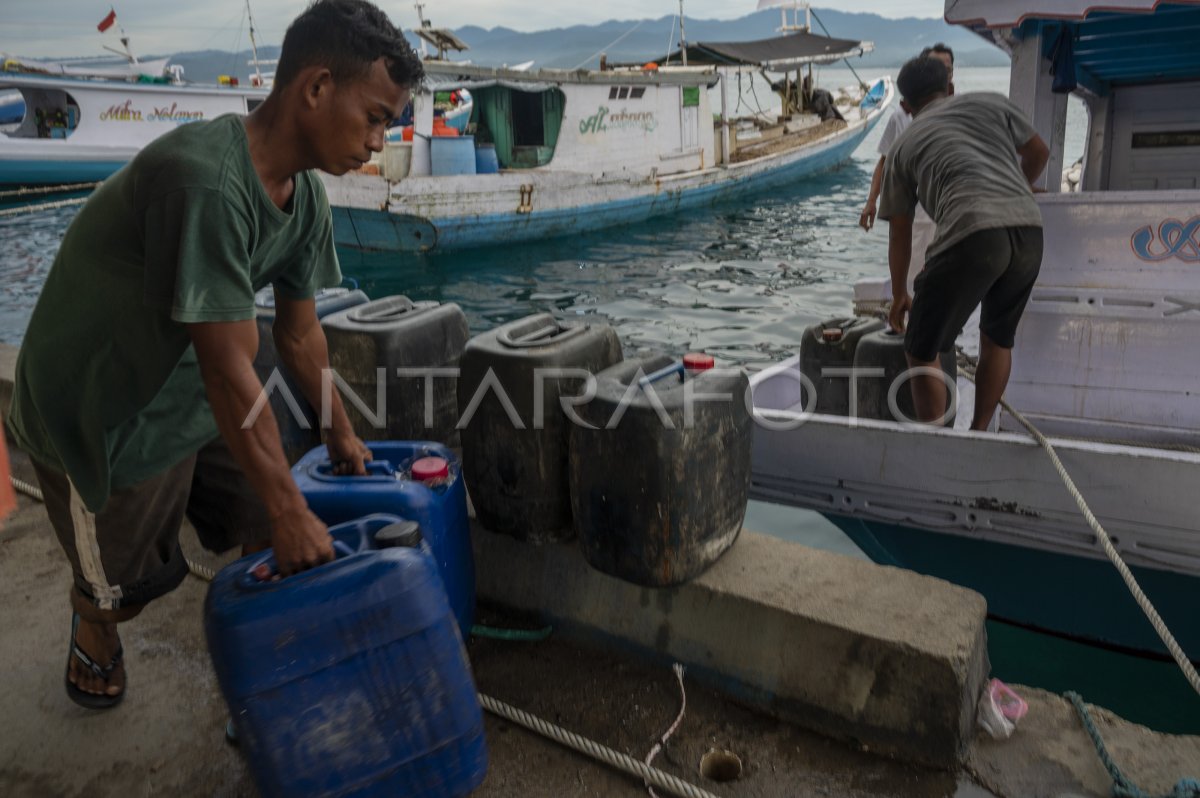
x=777 y=54
x=442 y=75
x=1114 y=43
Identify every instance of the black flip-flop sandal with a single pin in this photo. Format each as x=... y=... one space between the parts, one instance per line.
x=82 y=697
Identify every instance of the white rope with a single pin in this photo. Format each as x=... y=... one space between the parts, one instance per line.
x=606 y=47
x=42 y=206
x=32 y=491
x=658 y=746
x=1185 y=665
x=39 y=190
x=200 y=571
x=608 y=756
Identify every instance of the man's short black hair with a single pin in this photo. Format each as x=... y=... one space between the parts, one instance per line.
x=938 y=48
x=347 y=36
x=921 y=79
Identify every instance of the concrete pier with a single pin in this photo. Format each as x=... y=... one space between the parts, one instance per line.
x=781 y=642
x=888 y=659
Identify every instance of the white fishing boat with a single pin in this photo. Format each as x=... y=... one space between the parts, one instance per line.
x=1101 y=364
x=81 y=123
x=557 y=152
x=78 y=130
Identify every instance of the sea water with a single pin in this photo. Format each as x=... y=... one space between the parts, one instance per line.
x=740 y=281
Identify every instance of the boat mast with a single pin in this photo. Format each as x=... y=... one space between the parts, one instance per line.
x=258 y=79
x=421 y=18
x=127 y=53
x=682 y=35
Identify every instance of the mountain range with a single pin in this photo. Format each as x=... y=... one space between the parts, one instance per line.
x=632 y=41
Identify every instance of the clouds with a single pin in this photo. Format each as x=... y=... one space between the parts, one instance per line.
x=66 y=28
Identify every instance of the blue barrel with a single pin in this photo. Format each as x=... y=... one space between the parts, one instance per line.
x=439 y=506
x=486 y=162
x=452 y=155
x=297 y=438
x=349 y=678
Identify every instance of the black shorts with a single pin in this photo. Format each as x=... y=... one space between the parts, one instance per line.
x=997 y=267
x=128 y=553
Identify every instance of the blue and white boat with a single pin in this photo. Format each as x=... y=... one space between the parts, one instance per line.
x=80 y=126
x=564 y=152
x=1103 y=363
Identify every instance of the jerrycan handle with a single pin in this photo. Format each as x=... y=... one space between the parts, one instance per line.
x=259 y=573
x=377 y=470
x=541 y=336
x=664 y=372
x=385 y=310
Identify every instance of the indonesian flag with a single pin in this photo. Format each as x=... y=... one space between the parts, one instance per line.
x=107 y=22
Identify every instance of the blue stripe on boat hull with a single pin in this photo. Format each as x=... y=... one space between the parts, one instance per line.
x=1080 y=598
x=30 y=173
x=373 y=230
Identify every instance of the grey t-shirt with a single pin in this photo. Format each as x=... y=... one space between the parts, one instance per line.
x=958 y=159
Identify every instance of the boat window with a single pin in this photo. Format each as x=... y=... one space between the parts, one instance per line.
x=49 y=114
x=251 y=104
x=524 y=125
x=612 y=93
x=623 y=93
x=1166 y=138
x=637 y=94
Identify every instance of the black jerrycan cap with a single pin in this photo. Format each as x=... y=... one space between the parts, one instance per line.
x=405 y=534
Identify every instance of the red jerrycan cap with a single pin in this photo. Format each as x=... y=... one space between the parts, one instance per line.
x=832 y=335
x=698 y=361
x=430 y=468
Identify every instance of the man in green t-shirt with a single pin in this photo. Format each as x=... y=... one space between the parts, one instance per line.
x=135 y=385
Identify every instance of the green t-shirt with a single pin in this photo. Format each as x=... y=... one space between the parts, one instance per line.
x=108 y=387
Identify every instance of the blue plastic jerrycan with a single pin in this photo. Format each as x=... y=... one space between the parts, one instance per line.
x=418 y=480
x=349 y=678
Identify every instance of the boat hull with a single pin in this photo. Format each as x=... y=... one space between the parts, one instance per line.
x=989 y=511
x=1076 y=597
x=564 y=203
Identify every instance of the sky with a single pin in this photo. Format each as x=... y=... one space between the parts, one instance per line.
x=62 y=28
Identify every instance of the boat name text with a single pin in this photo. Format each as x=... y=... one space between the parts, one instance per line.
x=1175 y=239
x=604 y=120
x=125 y=112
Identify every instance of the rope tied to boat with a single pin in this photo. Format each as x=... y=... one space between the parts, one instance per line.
x=35 y=191
x=1123 y=787
x=1164 y=634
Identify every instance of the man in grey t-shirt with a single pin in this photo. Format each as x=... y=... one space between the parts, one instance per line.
x=969 y=161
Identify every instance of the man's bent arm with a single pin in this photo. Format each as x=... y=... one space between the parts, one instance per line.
x=303 y=350
x=1034 y=155
x=225 y=351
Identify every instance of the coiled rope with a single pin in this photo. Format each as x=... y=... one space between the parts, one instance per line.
x=615 y=759
x=1122 y=786
x=42 y=206
x=1185 y=665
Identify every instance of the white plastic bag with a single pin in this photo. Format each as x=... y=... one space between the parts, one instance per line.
x=1000 y=709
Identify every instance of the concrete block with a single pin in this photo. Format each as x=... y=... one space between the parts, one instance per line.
x=882 y=657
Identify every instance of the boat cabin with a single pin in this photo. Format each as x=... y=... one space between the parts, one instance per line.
x=1115 y=317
